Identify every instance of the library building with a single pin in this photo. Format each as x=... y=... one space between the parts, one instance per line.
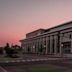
x=55 y=41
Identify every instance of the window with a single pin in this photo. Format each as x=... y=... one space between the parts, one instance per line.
x=66 y=47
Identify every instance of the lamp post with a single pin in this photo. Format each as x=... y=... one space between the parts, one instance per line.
x=33 y=48
x=44 y=49
x=62 y=50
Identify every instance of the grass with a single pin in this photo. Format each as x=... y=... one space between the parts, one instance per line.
x=2 y=59
x=47 y=68
x=38 y=68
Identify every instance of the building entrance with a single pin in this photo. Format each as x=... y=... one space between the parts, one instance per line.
x=66 y=47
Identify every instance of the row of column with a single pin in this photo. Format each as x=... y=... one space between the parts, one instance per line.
x=50 y=45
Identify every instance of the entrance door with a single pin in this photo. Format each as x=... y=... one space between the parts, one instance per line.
x=66 y=49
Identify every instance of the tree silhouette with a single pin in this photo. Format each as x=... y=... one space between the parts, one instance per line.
x=1 y=50
x=9 y=51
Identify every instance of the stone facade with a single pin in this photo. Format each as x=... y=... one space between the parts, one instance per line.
x=53 y=41
x=35 y=33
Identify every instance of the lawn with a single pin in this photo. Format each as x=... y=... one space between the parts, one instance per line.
x=47 y=68
x=3 y=59
x=36 y=68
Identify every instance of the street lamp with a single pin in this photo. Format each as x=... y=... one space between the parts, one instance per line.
x=44 y=48
x=33 y=48
x=62 y=50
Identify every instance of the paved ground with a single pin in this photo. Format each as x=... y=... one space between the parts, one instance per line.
x=3 y=69
x=15 y=69
x=35 y=56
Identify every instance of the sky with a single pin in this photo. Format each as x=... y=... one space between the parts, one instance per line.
x=18 y=17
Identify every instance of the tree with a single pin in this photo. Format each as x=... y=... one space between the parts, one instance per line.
x=7 y=48
x=1 y=50
x=9 y=51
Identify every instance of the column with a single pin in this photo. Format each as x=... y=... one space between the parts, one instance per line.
x=55 y=44
x=71 y=42
x=38 y=44
x=31 y=47
x=71 y=45
x=46 y=45
x=61 y=50
x=58 y=43
x=25 y=48
x=50 y=44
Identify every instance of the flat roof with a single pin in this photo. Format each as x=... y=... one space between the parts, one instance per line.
x=63 y=24
x=47 y=30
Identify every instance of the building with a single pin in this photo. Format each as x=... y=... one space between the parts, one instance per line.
x=53 y=41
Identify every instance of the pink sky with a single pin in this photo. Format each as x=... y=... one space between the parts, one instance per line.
x=18 y=17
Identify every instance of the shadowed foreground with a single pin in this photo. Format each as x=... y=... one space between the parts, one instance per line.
x=37 y=68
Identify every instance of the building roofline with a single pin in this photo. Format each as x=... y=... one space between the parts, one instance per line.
x=62 y=24
x=51 y=28
x=35 y=30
